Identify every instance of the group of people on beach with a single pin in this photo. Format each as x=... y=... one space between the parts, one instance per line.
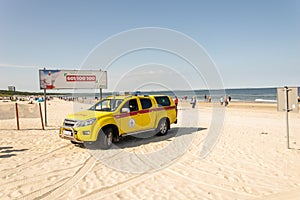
x=29 y=99
x=193 y=101
x=207 y=98
x=223 y=101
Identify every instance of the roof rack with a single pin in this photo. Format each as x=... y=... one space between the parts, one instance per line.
x=139 y=93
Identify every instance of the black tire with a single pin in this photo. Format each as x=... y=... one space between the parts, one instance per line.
x=105 y=138
x=73 y=142
x=81 y=145
x=163 y=127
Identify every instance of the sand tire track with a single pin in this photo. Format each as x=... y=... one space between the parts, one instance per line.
x=30 y=180
x=40 y=192
x=62 y=188
x=34 y=161
x=198 y=182
x=223 y=178
x=109 y=190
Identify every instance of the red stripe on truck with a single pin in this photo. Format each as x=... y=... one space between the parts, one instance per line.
x=118 y=116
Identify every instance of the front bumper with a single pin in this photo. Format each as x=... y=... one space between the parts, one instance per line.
x=68 y=133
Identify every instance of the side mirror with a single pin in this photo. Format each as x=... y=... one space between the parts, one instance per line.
x=125 y=110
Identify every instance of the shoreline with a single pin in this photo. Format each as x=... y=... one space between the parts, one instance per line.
x=260 y=94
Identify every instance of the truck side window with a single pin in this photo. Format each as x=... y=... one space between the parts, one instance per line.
x=146 y=103
x=163 y=101
x=132 y=105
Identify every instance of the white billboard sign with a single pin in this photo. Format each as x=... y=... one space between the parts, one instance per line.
x=72 y=79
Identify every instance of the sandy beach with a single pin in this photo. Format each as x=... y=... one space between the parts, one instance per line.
x=249 y=161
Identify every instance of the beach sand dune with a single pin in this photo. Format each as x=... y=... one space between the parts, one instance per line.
x=249 y=161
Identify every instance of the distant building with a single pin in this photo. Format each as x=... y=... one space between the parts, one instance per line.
x=12 y=88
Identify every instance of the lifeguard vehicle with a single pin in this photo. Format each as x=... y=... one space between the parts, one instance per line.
x=117 y=116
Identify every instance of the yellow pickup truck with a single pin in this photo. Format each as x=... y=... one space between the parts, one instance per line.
x=109 y=119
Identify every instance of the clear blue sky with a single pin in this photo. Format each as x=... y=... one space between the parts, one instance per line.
x=254 y=43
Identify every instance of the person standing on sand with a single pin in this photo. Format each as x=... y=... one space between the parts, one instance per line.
x=176 y=101
x=225 y=101
x=205 y=98
x=193 y=101
x=209 y=99
x=221 y=101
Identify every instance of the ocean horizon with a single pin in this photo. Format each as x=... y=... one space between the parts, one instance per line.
x=236 y=94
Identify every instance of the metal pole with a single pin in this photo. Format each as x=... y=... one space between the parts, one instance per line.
x=287 y=116
x=45 y=104
x=100 y=93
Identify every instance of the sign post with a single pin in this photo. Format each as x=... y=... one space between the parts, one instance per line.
x=287 y=109
x=287 y=101
x=45 y=104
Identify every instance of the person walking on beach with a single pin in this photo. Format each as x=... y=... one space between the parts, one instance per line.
x=209 y=99
x=225 y=101
x=193 y=101
x=205 y=98
x=221 y=101
x=176 y=101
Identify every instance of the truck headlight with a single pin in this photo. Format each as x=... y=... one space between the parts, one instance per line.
x=85 y=123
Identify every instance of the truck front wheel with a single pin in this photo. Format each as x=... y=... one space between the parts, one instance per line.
x=105 y=138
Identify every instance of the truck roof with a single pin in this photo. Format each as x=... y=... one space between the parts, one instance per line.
x=130 y=96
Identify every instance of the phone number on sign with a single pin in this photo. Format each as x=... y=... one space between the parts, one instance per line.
x=72 y=78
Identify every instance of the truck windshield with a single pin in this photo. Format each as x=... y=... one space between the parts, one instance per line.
x=108 y=105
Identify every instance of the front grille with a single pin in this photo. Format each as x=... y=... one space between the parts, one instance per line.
x=69 y=122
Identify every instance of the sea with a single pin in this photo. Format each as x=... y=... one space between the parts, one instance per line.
x=267 y=95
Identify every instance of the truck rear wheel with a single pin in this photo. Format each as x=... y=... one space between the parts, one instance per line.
x=163 y=127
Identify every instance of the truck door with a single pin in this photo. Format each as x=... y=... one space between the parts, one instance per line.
x=148 y=115
x=130 y=118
